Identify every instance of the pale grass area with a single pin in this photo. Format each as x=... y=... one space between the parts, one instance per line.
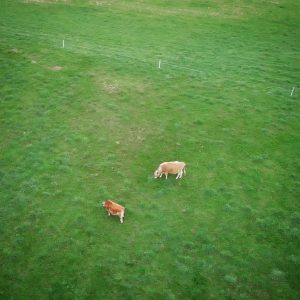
x=33 y=59
x=55 y=68
x=15 y=50
x=106 y=118
x=115 y=85
x=124 y=122
x=219 y=9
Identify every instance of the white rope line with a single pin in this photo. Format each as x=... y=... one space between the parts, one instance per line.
x=116 y=53
x=124 y=51
x=72 y=38
x=99 y=49
x=66 y=37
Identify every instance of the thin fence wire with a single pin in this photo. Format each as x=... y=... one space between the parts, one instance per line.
x=79 y=38
x=134 y=53
x=71 y=44
x=109 y=52
x=76 y=44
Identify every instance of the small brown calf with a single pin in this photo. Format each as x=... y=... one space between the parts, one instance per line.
x=114 y=209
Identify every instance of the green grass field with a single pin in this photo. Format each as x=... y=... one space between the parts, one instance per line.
x=93 y=120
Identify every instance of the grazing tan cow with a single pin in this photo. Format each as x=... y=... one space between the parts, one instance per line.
x=171 y=167
x=114 y=209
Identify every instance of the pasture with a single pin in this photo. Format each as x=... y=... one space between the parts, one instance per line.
x=87 y=115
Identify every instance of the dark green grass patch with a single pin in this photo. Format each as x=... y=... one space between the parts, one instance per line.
x=93 y=120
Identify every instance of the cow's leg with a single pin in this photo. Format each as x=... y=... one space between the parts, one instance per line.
x=161 y=175
x=179 y=175
x=108 y=213
x=121 y=217
x=166 y=175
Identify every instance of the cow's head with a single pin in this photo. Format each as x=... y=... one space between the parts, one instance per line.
x=107 y=203
x=157 y=173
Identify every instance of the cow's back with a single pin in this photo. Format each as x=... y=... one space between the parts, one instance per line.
x=115 y=208
x=172 y=167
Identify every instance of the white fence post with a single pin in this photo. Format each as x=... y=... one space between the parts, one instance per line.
x=292 y=91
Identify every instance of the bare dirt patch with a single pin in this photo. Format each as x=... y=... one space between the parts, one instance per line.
x=111 y=87
x=101 y=3
x=55 y=68
x=15 y=50
x=115 y=85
